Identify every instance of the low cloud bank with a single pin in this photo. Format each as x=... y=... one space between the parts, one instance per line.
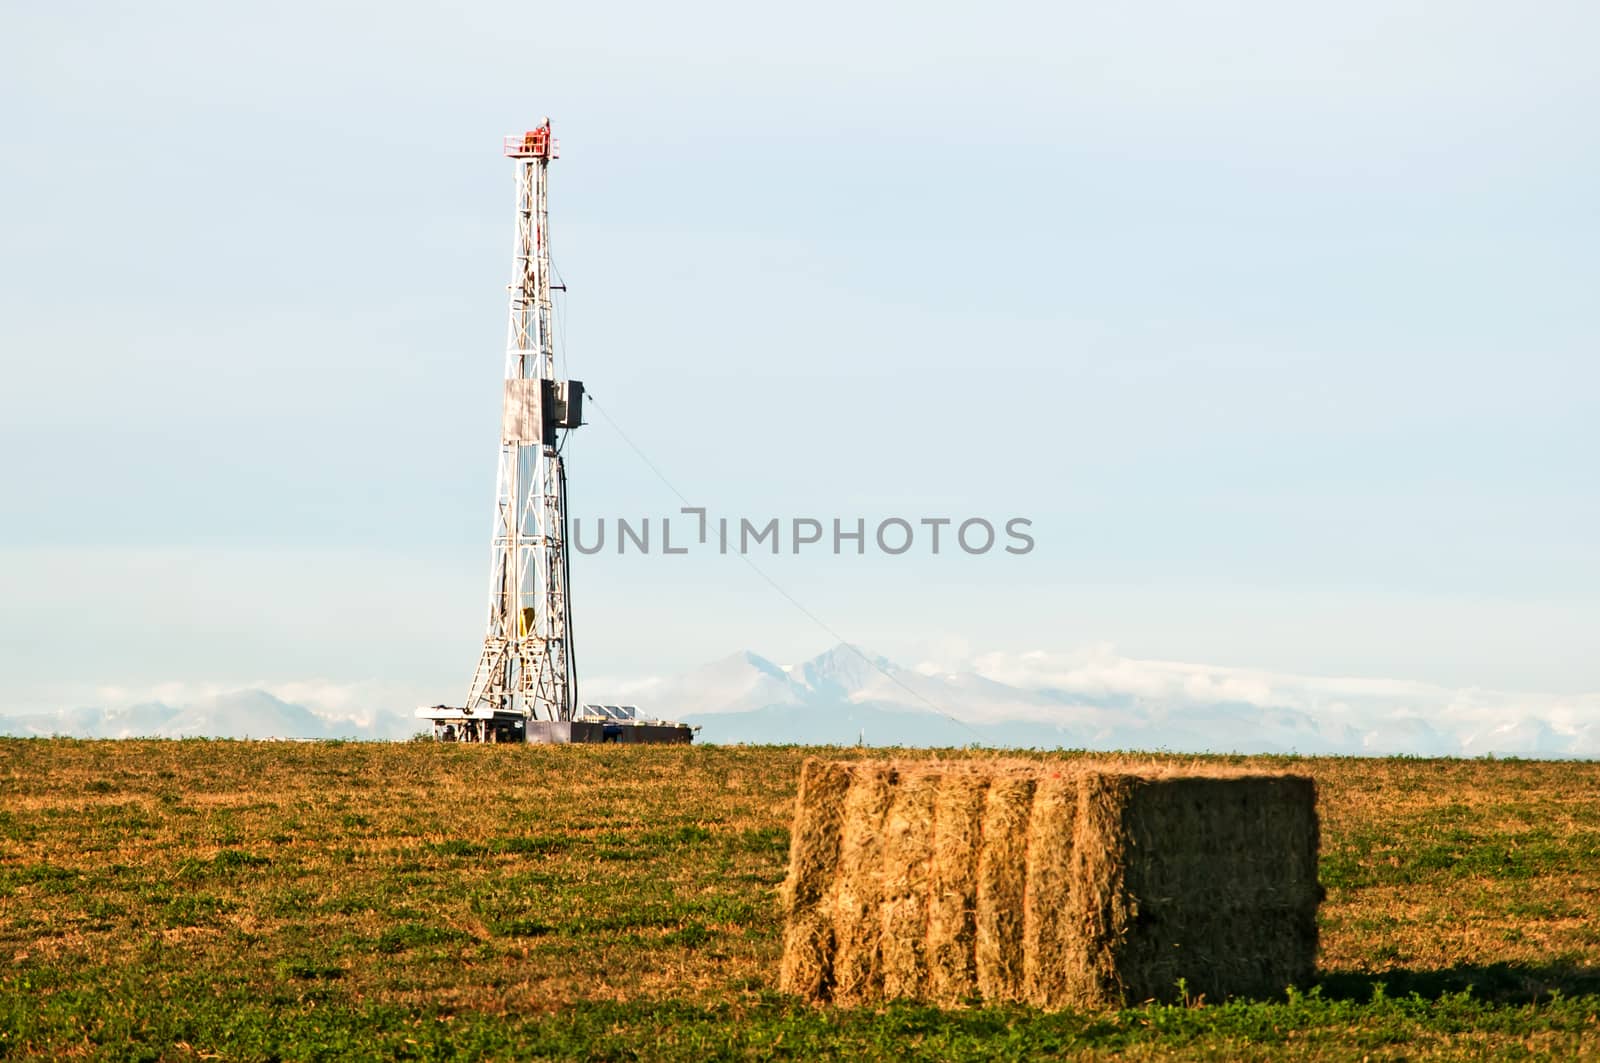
x=1092 y=698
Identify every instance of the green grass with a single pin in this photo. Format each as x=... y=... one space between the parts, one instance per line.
x=177 y=900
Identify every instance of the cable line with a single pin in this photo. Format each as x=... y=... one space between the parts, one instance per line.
x=791 y=599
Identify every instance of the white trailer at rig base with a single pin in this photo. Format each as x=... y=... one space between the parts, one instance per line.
x=592 y=723
x=525 y=686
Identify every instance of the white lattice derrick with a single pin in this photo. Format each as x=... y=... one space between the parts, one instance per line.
x=526 y=664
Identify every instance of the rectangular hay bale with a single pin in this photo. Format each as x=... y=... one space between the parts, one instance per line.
x=1059 y=883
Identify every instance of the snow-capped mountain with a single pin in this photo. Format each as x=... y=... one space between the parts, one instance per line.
x=1096 y=699
x=1091 y=698
x=845 y=695
x=736 y=683
x=240 y=714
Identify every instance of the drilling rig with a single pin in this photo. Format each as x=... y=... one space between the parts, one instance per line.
x=525 y=685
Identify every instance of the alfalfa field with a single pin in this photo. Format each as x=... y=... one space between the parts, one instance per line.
x=258 y=900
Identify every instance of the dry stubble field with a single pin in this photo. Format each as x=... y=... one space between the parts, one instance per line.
x=245 y=900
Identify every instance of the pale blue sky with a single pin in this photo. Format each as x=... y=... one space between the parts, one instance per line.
x=1279 y=320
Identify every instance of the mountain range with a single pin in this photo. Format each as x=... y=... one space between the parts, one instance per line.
x=846 y=696
x=239 y=714
x=1088 y=699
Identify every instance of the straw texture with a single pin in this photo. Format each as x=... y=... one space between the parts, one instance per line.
x=1062 y=884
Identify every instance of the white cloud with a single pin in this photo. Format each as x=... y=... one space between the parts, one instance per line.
x=374 y=707
x=1091 y=695
x=614 y=689
x=1391 y=712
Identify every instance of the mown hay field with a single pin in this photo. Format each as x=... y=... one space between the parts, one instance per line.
x=238 y=900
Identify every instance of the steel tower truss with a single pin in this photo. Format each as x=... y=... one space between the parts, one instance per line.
x=526 y=669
